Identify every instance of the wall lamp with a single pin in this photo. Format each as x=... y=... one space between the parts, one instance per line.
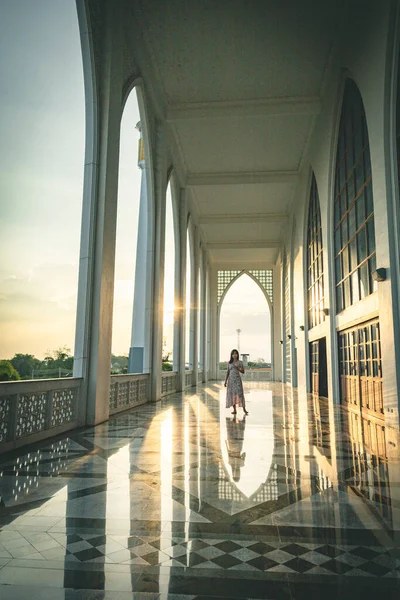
x=325 y=311
x=301 y=327
x=289 y=337
x=281 y=341
x=379 y=275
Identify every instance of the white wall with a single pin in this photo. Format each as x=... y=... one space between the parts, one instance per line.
x=364 y=51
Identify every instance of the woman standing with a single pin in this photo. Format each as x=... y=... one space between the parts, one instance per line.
x=233 y=383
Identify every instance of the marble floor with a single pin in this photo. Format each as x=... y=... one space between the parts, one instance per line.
x=181 y=500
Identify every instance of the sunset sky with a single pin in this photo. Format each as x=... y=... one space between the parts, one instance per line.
x=41 y=172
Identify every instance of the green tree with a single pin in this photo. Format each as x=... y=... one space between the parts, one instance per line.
x=25 y=364
x=7 y=371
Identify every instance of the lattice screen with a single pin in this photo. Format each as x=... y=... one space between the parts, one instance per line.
x=263 y=276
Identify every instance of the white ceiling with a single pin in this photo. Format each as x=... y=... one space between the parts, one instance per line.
x=241 y=83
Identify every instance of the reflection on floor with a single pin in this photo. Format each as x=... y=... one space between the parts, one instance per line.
x=181 y=500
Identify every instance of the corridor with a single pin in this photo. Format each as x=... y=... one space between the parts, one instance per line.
x=180 y=500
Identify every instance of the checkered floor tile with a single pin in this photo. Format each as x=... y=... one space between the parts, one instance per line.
x=210 y=553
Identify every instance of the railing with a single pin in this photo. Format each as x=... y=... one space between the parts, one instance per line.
x=127 y=391
x=33 y=410
x=252 y=375
x=168 y=383
x=188 y=379
x=199 y=376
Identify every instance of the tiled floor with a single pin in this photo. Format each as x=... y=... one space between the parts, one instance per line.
x=180 y=500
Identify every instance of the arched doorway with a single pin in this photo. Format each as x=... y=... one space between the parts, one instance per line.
x=245 y=322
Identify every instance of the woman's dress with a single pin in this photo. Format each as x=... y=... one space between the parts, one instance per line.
x=234 y=388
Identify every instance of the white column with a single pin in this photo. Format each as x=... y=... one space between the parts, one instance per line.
x=181 y=289
x=203 y=318
x=159 y=257
x=99 y=217
x=195 y=303
x=175 y=192
x=276 y=326
x=138 y=337
x=214 y=325
x=208 y=323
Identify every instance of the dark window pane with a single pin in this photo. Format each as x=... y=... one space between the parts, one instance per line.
x=349 y=132
x=361 y=245
x=351 y=194
x=359 y=176
x=360 y=210
x=352 y=222
x=345 y=259
x=343 y=229
x=337 y=241
x=358 y=142
x=343 y=203
x=369 y=199
x=371 y=236
x=338 y=268
x=342 y=174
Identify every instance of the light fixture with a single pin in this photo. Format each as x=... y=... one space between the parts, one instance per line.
x=325 y=311
x=289 y=337
x=301 y=327
x=379 y=275
x=281 y=341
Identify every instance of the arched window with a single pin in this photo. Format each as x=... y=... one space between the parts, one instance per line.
x=354 y=236
x=189 y=298
x=129 y=198
x=42 y=148
x=315 y=268
x=245 y=320
x=169 y=279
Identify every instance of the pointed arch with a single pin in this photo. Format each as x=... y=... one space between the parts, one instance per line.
x=269 y=303
x=249 y=273
x=171 y=273
x=354 y=230
x=314 y=259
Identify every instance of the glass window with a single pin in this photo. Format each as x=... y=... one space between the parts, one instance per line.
x=353 y=204
x=359 y=358
x=315 y=269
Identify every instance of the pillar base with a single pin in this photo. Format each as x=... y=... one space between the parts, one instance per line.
x=135 y=360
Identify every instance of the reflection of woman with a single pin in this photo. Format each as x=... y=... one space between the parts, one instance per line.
x=234 y=443
x=233 y=383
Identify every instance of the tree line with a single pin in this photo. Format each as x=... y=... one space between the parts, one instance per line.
x=58 y=363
